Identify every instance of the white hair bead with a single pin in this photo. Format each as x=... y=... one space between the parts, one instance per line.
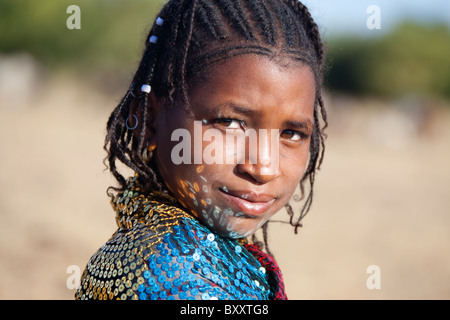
x=159 y=21
x=153 y=39
x=146 y=88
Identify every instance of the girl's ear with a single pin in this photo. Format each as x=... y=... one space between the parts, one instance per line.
x=137 y=113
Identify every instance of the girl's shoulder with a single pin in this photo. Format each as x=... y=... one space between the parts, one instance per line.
x=167 y=254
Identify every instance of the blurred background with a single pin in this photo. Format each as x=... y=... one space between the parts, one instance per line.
x=382 y=197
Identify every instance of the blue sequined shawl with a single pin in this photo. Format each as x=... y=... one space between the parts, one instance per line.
x=161 y=252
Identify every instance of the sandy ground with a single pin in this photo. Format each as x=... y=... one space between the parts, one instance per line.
x=382 y=199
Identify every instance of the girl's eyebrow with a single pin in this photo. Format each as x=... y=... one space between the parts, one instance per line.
x=306 y=124
x=239 y=109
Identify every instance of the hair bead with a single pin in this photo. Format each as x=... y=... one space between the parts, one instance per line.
x=153 y=39
x=146 y=88
x=159 y=21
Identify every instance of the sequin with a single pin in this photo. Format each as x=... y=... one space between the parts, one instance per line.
x=191 y=277
x=205 y=296
x=184 y=250
x=185 y=287
x=160 y=260
x=194 y=291
x=157 y=271
x=165 y=267
x=161 y=279
x=167 y=285
x=175 y=267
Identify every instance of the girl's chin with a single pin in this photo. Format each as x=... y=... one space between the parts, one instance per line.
x=235 y=229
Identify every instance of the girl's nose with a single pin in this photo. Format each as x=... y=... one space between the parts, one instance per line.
x=260 y=174
x=262 y=159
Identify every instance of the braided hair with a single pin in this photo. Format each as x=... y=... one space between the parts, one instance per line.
x=189 y=36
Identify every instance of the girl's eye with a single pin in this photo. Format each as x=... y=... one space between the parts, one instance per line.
x=294 y=135
x=230 y=123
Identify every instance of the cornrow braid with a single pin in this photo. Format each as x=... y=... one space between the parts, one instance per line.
x=195 y=35
x=152 y=53
x=206 y=60
x=189 y=31
x=311 y=29
x=119 y=137
x=231 y=9
x=317 y=146
x=206 y=16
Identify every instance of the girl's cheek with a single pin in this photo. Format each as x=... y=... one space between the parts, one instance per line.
x=194 y=190
x=295 y=165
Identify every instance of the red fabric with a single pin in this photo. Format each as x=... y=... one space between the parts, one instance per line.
x=273 y=272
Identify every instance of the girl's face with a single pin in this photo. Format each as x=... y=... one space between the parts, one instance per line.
x=242 y=147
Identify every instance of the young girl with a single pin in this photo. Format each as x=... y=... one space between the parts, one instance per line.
x=221 y=124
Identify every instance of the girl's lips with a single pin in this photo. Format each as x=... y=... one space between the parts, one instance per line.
x=247 y=202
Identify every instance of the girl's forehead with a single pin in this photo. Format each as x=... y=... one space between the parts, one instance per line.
x=253 y=86
x=252 y=72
